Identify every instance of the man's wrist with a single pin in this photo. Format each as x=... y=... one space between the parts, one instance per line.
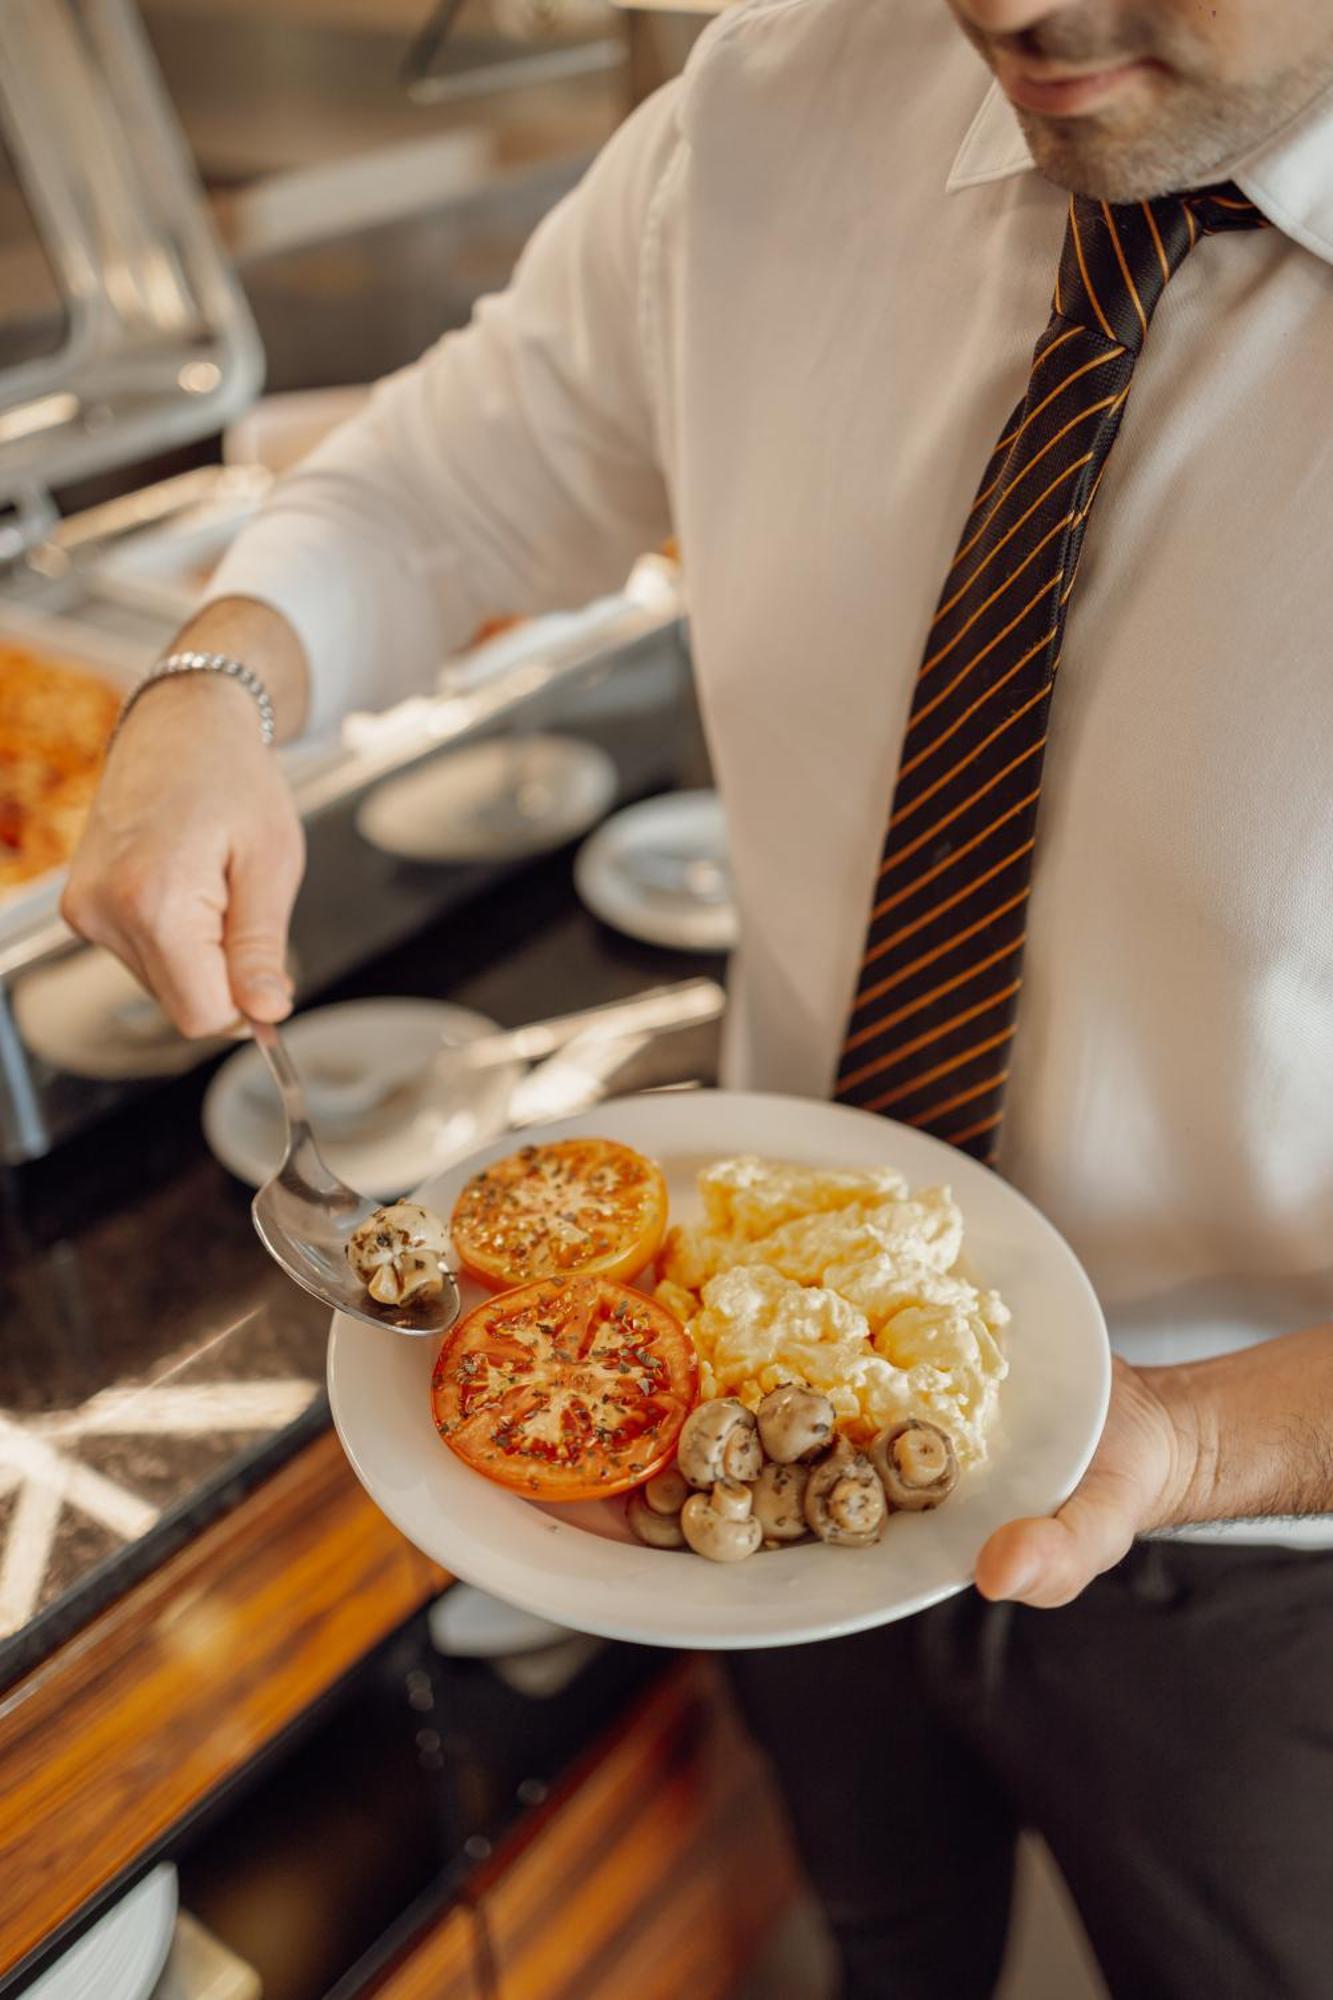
x=262 y=640
x=200 y=701
x=188 y=665
x=1190 y=1488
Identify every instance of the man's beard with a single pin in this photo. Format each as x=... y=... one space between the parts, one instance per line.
x=1188 y=129
x=1196 y=137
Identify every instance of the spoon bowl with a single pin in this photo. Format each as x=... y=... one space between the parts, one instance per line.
x=304 y=1217
x=683 y=876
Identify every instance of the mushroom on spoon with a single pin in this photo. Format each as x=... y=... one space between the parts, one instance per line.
x=313 y=1224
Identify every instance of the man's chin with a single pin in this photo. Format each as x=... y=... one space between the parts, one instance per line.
x=1087 y=159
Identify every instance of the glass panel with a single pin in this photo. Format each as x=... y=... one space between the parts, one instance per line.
x=131 y=336
x=33 y=319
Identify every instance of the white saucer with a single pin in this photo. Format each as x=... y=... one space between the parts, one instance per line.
x=414 y=1132
x=122 y=1956
x=492 y=801
x=660 y=871
x=89 y=1016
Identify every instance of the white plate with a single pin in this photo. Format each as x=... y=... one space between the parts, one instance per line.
x=87 y=1014
x=470 y=1624
x=121 y=1957
x=636 y=873
x=578 y=1565
x=423 y=1126
x=492 y=801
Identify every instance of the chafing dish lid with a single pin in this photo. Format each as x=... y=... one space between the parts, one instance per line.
x=122 y=330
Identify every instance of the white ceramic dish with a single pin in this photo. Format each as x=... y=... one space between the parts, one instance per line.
x=121 y=1957
x=660 y=871
x=417 y=1128
x=492 y=801
x=578 y=1565
x=87 y=1015
x=65 y=643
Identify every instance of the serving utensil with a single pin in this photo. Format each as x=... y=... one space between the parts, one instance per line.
x=344 y=1096
x=657 y=1009
x=305 y=1215
x=573 y=1079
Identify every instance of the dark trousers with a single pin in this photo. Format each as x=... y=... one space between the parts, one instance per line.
x=1170 y=1735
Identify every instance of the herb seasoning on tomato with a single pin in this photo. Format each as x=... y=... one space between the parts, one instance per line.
x=566 y=1389
x=548 y=1211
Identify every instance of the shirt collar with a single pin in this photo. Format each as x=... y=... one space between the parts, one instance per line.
x=1290 y=177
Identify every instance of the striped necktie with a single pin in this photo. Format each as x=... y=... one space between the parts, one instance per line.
x=937 y=995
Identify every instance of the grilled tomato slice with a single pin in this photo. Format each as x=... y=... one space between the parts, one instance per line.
x=577 y=1205
x=566 y=1389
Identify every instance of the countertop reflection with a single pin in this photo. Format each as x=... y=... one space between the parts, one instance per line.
x=154 y=1364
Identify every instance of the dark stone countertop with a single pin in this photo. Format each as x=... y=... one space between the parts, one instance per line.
x=154 y=1365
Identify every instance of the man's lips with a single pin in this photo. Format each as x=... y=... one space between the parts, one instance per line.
x=1070 y=93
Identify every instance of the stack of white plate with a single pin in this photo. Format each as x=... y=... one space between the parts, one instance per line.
x=122 y=1956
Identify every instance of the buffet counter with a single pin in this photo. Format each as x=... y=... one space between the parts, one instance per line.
x=213 y=1583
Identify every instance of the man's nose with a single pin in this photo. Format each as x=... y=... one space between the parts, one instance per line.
x=1012 y=17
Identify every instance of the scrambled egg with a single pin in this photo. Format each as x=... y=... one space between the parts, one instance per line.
x=845 y=1281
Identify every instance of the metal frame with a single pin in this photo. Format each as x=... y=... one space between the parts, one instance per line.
x=162 y=348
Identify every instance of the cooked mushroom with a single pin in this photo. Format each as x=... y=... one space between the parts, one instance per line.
x=720 y=1440
x=795 y=1423
x=844 y=1501
x=660 y=1531
x=720 y=1524
x=666 y=1492
x=654 y=1510
x=779 y=1502
x=399 y=1253
x=918 y=1464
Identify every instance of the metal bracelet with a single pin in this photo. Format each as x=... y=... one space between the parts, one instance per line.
x=177 y=664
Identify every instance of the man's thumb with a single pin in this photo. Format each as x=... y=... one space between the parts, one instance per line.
x=255 y=941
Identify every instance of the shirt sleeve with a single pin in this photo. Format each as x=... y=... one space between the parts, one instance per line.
x=514 y=469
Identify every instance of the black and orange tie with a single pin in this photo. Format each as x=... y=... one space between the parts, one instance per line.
x=937 y=995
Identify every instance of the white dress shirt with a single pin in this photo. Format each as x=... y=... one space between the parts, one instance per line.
x=787 y=315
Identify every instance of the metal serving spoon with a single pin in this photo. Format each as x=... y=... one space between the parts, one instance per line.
x=305 y=1215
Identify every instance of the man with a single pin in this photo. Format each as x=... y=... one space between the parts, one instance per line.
x=801 y=312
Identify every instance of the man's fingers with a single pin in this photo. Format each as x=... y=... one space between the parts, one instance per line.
x=170 y=940
x=255 y=939
x=187 y=971
x=100 y=934
x=190 y=859
x=206 y=935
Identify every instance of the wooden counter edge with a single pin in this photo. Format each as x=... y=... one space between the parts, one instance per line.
x=173 y=1689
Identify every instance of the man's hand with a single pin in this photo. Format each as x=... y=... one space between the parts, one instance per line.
x=1144 y=1471
x=193 y=852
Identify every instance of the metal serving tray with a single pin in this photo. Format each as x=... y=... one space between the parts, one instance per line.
x=128 y=333
x=627 y=690
x=154 y=550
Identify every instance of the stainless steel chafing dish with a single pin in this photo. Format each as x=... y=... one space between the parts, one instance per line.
x=124 y=333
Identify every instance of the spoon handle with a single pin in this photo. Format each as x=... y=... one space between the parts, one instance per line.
x=304 y=1165
x=290 y=1088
